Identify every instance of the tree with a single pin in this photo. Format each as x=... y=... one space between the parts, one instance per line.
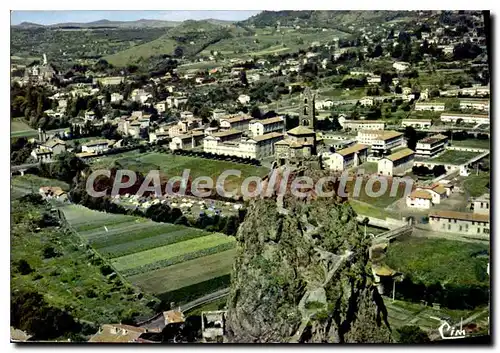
x=178 y=52
x=255 y=112
x=412 y=335
x=411 y=137
x=438 y=170
x=243 y=78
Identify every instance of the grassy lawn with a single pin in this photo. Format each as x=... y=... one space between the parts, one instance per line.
x=401 y=313
x=381 y=201
x=477 y=185
x=174 y=165
x=29 y=181
x=186 y=273
x=454 y=157
x=364 y=209
x=165 y=252
x=71 y=280
x=485 y=144
x=446 y=261
x=18 y=128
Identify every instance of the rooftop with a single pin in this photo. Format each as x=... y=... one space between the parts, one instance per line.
x=460 y=215
x=227 y=133
x=276 y=119
x=421 y=194
x=433 y=138
x=402 y=153
x=300 y=130
x=353 y=149
x=267 y=136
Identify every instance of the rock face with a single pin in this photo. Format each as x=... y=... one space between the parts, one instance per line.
x=302 y=274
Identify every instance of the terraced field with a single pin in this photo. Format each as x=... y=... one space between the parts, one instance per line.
x=157 y=257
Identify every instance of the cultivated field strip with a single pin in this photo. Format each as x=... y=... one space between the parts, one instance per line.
x=186 y=273
x=165 y=252
x=158 y=257
x=138 y=245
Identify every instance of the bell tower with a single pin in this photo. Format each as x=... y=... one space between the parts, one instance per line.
x=307 y=113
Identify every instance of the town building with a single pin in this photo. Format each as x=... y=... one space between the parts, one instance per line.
x=417 y=123
x=345 y=158
x=396 y=164
x=265 y=126
x=300 y=142
x=401 y=66
x=109 y=81
x=239 y=121
x=161 y=107
x=465 y=118
x=481 y=204
x=116 y=98
x=186 y=141
x=459 y=222
x=257 y=147
x=244 y=99
x=477 y=104
x=421 y=199
x=176 y=101
x=381 y=141
x=366 y=101
x=431 y=146
x=356 y=125
x=218 y=113
x=119 y=333
x=430 y=106
x=96 y=146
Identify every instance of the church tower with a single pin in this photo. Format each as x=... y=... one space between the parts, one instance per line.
x=307 y=113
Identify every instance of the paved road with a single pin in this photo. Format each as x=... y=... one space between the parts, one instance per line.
x=205 y=299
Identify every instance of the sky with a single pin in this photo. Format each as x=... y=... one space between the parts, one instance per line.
x=52 y=17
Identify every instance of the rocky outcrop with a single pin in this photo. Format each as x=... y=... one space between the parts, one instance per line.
x=303 y=276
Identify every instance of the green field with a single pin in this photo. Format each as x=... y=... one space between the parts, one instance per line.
x=162 y=45
x=446 y=261
x=72 y=279
x=26 y=184
x=186 y=273
x=150 y=254
x=18 y=128
x=454 y=157
x=166 y=252
x=174 y=165
x=365 y=209
x=485 y=144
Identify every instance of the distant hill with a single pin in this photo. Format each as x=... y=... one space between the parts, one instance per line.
x=142 y=23
x=190 y=36
x=328 y=19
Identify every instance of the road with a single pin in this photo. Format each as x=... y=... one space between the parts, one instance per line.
x=205 y=299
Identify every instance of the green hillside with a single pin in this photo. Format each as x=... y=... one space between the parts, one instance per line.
x=191 y=36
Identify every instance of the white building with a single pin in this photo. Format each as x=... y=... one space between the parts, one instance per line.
x=396 y=164
x=238 y=121
x=366 y=101
x=345 y=158
x=186 y=141
x=431 y=146
x=116 y=97
x=265 y=126
x=430 y=106
x=401 y=66
x=244 y=99
x=357 y=125
x=417 y=123
x=460 y=222
x=481 y=204
x=96 y=146
x=324 y=105
x=257 y=147
x=477 y=104
x=421 y=199
x=218 y=113
x=466 y=118
x=161 y=107
x=381 y=141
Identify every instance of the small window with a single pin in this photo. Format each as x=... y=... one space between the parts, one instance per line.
x=461 y=228
x=486 y=231
x=473 y=223
x=478 y=230
x=444 y=226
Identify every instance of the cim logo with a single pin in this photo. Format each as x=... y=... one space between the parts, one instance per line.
x=448 y=332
